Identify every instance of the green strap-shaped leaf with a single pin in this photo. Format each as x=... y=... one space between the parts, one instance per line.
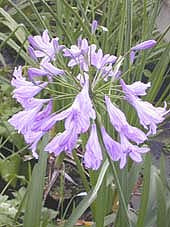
x=35 y=191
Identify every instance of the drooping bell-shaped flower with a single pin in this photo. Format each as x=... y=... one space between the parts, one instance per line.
x=29 y=124
x=22 y=120
x=138 y=88
x=128 y=149
x=149 y=115
x=119 y=122
x=112 y=147
x=93 y=153
x=65 y=141
x=46 y=69
x=25 y=89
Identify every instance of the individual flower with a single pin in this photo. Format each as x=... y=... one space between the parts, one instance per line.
x=119 y=122
x=22 y=120
x=112 y=147
x=128 y=149
x=141 y=46
x=93 y=154
x=99 y=60
x=144 y=45
x=25 y=90
x=138 y=88
x=28 y=122
x=94 y=26
x=46 y=69
x=149 y=115
x=65 y=141
x=43 y=47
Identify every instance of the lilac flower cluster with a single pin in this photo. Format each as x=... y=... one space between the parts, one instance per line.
x=37 y=118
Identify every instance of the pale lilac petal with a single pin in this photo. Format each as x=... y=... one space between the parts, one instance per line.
x=149 y=115
x=84 y=46
x=123 y=160
x=93 y=154
x=30 y=103
x=45 y=37
x=116 y=116
x=65 y=141
x=135 y=156
x=120 y=123
x=32 y=53
x=28 y=91
x=112 y=147
x=43 y=46
x=23 y=120
x=134 y=134
x=51 y=121
x=128 y=149
x=34 y=72
x=51 y=69
x=137 y=88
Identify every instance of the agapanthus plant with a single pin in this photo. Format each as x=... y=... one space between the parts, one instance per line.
x=97 y=87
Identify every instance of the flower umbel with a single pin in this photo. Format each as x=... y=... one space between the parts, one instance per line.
x=70 y=89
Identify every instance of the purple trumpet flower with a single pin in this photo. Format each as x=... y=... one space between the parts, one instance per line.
x=28 y=122
x=77 y=121
x=76 y=51
x=99 y=60
x=120 y=123
x=93 y=154
x=24 y=119
x=144 y=45
x=25 y=90
x=147 y=113
x=46 y=69
x=128 y=149
x=94 y=26
x=137 y=88
x=65 y=141
x=43 y=47
x=141 y=46
x=112 y=147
